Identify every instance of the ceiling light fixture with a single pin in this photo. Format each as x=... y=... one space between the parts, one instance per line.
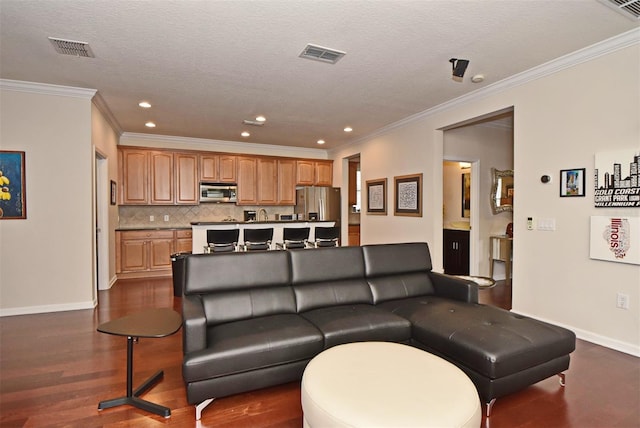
x=150 y=125
x=252 y=122
x=261 y=119
x=459 y=66
x=245 y=134
x=320 y=141
x=144 y=104
x=478 y=78
x=348 y=129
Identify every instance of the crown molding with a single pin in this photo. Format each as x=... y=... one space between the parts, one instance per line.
x=47 y=89
x=589 y=53
x=101 y=105
x=151 y=140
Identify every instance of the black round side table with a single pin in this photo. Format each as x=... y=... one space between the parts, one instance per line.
x=152 y=323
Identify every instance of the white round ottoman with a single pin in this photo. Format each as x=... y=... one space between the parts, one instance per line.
x=381 y=384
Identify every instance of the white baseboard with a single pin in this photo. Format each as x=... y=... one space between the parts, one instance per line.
x=28 y=310
x=598 y=339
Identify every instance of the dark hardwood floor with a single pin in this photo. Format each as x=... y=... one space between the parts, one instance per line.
x=55 y=368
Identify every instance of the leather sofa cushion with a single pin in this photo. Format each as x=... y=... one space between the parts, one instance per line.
x=400 y=286
x=211 y=273
x=326 y=264
x=358 y=323
x=253 y=344
x=390 y=259
x=331 y=293
x=244 y=304
x=492 y=341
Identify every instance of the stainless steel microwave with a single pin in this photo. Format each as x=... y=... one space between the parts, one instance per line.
x=215 y=192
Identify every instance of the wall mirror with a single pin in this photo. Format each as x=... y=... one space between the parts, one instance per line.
x=502 y=191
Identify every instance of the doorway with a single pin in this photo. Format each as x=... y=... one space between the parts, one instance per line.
x=102 y=199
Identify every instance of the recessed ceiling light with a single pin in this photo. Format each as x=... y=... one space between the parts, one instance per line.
x=477 y=78
x=144 y=104
x=261 y=119
x=245 y=134
x=348 y=129
x=320 y=141
x=150 y=125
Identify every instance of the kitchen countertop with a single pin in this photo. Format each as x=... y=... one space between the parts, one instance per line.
x=127 y=229
x=207 y=223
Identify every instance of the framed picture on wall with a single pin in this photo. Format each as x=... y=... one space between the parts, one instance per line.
x=13 y=189
x=466 y=195
x=113 y=192
x=408 y=195
x=377 y=196
x=572 y=182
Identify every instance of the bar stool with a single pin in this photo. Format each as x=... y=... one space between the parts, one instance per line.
x=326 y=237
x=258 y=239
x=222 y=240
x=294 y=237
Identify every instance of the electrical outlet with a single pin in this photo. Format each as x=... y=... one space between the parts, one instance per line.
x=152 y=218
x=166 y=217
x=622 y=301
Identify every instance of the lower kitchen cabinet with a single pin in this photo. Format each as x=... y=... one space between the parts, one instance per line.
x=354 y=235
x=147 y=253
x=455 y=251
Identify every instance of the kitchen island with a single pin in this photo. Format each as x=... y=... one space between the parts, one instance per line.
x=200 y=230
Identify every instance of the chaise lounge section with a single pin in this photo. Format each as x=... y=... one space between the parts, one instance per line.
x=253 y=320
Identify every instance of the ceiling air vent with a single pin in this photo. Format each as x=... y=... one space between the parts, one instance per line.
x=629 y=8
x=71 y=47
x=318 y=53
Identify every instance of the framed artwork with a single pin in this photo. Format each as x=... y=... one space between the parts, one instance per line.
x=466 y=195
x=377 y=196
x=617 y=179
x=615 y=239
x=13 y=198
x=408 y=195
x=572 y=182
x=113 y=192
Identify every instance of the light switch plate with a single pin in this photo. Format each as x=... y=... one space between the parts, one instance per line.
x=548 y=224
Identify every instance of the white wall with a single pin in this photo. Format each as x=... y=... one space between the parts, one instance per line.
x=46 y=260
x=560 y=120
x=105 y=141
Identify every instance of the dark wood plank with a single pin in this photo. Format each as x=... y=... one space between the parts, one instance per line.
x=55 y=368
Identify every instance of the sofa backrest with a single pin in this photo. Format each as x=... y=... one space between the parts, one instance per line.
x=328 y=277
x=396 y=271
x=236 y=286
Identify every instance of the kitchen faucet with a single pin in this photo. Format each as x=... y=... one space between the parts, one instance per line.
x=262 y=211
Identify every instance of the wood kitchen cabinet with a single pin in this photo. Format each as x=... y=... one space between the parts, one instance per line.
x=247 y=184
x=187 y=183
x=267 y=181
x=455 y=251
x=161 y=181
x=314 y=173
x=354 y=235
x=218 y=168
x=147 y=253
x=286 y=182
x=134 y=176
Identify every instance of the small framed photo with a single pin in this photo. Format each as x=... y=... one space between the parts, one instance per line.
x=377 y=196
x=114 y=190
x=572 y=182
x=466 y=195
x=13 y=189
x=408 y=195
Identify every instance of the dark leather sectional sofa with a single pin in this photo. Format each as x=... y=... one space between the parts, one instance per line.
x=253 y=320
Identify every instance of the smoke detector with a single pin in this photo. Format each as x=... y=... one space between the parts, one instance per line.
x=318 y=53
x=71 y=47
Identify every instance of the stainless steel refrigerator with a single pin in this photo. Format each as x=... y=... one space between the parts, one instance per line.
x=323 y=203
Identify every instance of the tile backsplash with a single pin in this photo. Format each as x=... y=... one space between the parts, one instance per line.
x=181 y=216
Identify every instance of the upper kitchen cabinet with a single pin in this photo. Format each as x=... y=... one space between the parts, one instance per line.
x=187 y=183
x=155 y=177
x=161 y=185
x=314 y=173
x=267 y=181
x=286 y=182
x=247 y=180
x=218 y=168
x=134 y=176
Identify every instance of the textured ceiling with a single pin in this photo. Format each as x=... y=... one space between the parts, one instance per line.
x=207 y=65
